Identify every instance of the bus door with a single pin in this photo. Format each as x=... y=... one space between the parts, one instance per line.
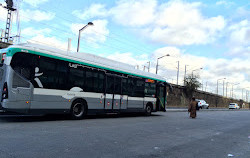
x=2 y=76
x=113 y=92
x=22 y=89
x=161 y=99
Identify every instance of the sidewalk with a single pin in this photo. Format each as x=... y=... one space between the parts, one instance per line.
x=184 y=109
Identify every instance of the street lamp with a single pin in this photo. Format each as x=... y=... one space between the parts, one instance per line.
x=226 y=88
x=217 y=84
x=185 y=71
x=157 y=61
x=195 y=70
x=79 y=36
x=233 y=88
x=247 y=94
x=148 y=65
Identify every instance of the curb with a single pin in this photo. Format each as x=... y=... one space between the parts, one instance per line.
x=185 y=110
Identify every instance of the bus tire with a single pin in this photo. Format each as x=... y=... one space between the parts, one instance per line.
x=78 y=110
x=148 y=110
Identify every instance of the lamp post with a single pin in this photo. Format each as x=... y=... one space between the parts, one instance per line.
x=157 y=61
x=148 y=65
x=246 y=89
x=185 y=71
x=247 y=93
x=79 y=36
x=242 y=93
x=226 y=88
x=223 y=87
x=195 y=70
x=233 y=88
x=178 y=72
x=217 y=84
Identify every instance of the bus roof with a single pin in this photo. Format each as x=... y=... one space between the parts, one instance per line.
x=83 y=58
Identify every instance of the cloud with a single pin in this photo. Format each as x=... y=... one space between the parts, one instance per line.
x=243 y=12
x=224 y=3
x=49 y=41
x=30 y=31
x=181 y=23
x=37 y=15
x=134 y=12
x=93 y=34
x=239 y=39
x=129 y=58
x=95 y=10
x=35 y=3
x=235 y=70
x=174 y=22
x=3 y=13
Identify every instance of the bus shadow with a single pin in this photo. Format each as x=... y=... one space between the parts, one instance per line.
x=125 y=115
x=24 y=118
x=13 y=118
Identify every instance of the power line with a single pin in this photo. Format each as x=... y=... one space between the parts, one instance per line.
x=127 y=41
x=62 y=30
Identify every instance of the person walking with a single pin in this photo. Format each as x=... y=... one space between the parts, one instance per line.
x=192 y=108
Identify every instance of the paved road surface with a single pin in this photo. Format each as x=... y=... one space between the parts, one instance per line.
x=168 y=135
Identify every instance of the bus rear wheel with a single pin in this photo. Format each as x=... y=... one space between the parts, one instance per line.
x=78 y=110
x=148 y=110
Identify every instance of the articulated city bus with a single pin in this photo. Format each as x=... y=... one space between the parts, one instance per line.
x=41 y=80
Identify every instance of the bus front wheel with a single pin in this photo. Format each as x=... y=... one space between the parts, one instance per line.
x=148 y=110
x=78 y=110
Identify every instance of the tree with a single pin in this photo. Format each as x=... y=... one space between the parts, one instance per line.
x=191 y=84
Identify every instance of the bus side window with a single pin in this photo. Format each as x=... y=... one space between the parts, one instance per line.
x=22 y=63
x=47 y=67
x=89 y=80
x=117 y=82
x=95 y=81
x=76 y=78
x=62 y=73
x=139 y=90
x=131 y=85
x=19 y=82
x=150 y=89
x=101 y=82
x=125 y=86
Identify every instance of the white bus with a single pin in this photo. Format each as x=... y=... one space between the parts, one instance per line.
x=40 y=80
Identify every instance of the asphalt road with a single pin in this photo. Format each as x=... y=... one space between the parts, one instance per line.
x=168 y=135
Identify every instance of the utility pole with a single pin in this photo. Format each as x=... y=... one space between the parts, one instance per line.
x=185 y=71
x=178 y=72
x=206 y=87
x=148 y=65
x=4 y=41
x=226 y=89
x=246 y=95
x=185 y=74
x=232 y=91
x=8 y=23
x=223 y=87
x=242 y=93
x=218 y=84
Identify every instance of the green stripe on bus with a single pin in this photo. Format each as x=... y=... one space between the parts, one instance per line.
x=12 y=51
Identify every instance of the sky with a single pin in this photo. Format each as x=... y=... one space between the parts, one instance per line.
x=210 y=34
